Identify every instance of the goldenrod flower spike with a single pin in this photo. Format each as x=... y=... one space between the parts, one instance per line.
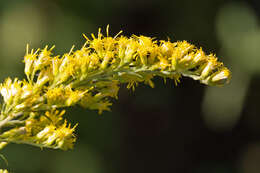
x=90 y=76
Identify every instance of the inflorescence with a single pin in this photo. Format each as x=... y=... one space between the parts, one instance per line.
x=31 y=108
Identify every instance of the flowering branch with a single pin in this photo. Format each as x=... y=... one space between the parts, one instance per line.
x=30 y=111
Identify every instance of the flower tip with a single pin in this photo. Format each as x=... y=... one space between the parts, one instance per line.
x=107 y=29
x=221 y=78
x=27 y=48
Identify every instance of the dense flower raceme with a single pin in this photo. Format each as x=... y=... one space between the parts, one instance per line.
x=90 y=77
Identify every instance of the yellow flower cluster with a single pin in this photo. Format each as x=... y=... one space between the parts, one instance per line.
x=43 y=130
x=3 y=171
x=90 y=77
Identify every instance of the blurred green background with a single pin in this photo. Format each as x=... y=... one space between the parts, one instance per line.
x=189 y=128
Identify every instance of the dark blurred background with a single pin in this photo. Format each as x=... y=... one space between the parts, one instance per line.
x=189 y=128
